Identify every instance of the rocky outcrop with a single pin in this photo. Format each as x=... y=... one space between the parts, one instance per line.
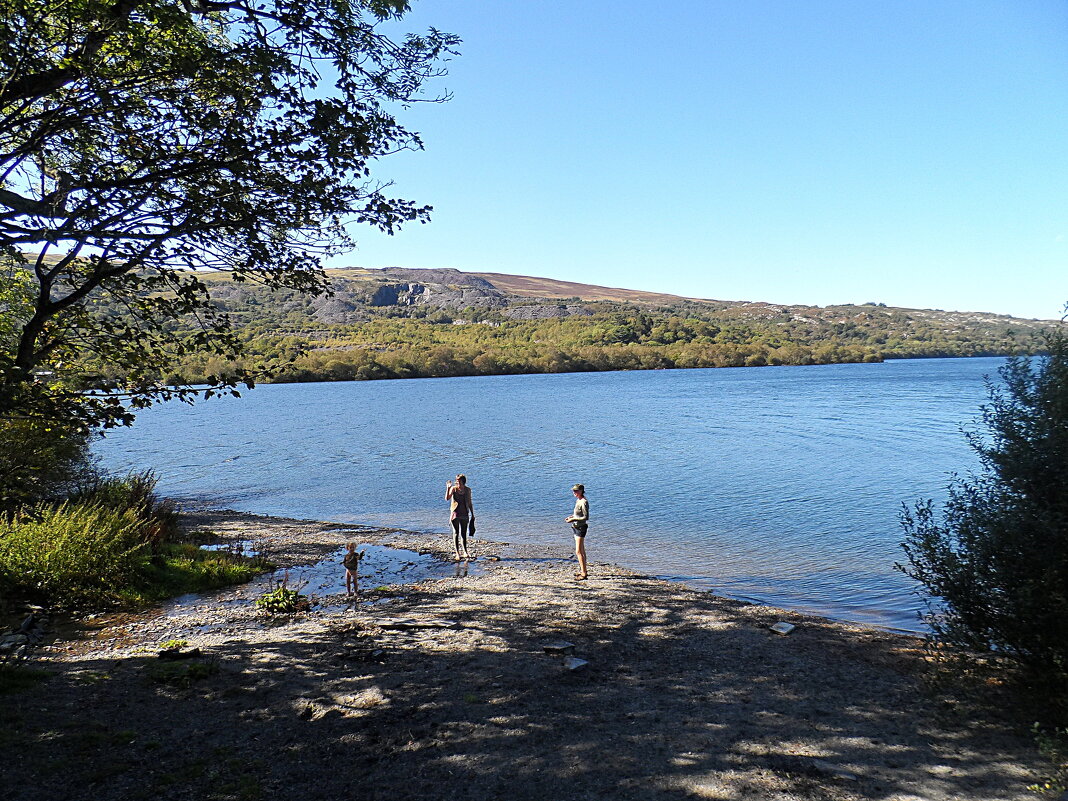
x=337 y=311
x=398 y=295
x=434 y=294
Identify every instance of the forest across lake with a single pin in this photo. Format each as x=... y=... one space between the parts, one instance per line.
x=420 y=323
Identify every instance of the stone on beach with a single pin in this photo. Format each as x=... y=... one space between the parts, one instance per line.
x=829 y=769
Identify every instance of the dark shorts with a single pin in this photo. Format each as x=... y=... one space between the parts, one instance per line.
x=580 y=529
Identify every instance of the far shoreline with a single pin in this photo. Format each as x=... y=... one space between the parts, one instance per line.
x=201 y=385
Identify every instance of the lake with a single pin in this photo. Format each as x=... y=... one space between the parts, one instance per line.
x=774 y=484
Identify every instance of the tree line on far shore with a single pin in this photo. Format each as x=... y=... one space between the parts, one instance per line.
x=433 y=343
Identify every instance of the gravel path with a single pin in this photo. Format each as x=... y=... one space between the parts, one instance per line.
x=442 y=689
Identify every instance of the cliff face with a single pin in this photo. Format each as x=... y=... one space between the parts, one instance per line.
x=447 y=277
x=437 y=294
x=455 y=290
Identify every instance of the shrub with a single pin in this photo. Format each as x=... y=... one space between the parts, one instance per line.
x=86 y=553
x=282 y=600
x=1053 y=745
x=996 y=566
x=135 y=492
x=70 y=554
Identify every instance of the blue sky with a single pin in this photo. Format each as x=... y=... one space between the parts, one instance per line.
x=794 y=151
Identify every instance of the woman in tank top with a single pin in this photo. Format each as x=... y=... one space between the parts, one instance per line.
x=461 y=513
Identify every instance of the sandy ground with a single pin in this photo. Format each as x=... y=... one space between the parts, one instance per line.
x=443 y=690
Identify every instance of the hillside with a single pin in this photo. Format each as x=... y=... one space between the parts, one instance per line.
x=406 y=323
x=455 y=290
x=525 y=286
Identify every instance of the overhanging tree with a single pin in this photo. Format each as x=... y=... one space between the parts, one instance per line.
x=996 y=564
x=144 y=139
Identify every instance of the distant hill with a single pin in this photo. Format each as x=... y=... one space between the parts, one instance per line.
x=525 y=286
x=360 y=293
x=406 y=323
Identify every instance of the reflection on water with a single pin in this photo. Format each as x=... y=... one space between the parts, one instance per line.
x=778 y=484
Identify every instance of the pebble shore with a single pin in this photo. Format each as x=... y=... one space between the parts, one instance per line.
x=502 y=678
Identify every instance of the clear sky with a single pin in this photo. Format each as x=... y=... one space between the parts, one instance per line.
x=794 y=151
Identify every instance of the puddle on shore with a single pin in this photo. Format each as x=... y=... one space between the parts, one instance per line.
x=238 y=547
x=380 y=566
x=324 y=581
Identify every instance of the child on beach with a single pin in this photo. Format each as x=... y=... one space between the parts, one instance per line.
x=351 y=561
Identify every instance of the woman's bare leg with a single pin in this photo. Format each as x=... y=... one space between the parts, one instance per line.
x=580 y=552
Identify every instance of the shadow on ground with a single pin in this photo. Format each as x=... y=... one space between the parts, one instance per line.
x=684 y=696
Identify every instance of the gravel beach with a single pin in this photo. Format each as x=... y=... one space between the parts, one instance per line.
x=502 y=679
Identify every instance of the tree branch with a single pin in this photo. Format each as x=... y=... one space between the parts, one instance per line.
x=41 y=84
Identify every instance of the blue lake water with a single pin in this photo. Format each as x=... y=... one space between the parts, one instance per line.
x=776 y=484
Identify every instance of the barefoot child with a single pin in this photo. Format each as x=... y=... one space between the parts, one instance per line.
x=351 y=561
x=580 y=524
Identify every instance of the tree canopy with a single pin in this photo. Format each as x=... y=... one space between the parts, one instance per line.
x=996 y=564
x=141 y=140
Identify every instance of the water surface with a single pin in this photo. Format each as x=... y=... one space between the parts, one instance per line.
x=778 y=484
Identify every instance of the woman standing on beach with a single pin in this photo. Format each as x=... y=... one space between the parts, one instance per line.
x=462 y=511
x=580 y=524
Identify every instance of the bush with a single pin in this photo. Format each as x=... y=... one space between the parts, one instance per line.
x=137 y=493
x=108 y=545
x=1053 y=745
x=70 y=554
x=996 y=566
x=282 y=600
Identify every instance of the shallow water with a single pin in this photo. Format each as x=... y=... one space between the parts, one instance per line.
x=324 y=581
x=782 y=485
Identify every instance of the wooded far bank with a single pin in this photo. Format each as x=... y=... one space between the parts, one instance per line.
x=407 y=323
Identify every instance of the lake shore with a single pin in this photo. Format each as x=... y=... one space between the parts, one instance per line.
x=443 y=689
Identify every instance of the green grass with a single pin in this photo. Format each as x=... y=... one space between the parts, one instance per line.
x=182 y=568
